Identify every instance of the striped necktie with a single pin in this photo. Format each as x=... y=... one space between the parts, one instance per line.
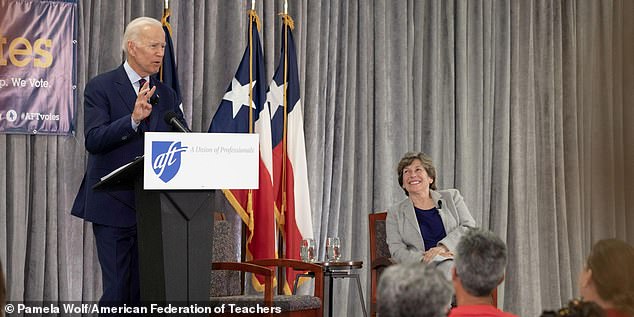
x=142 y=82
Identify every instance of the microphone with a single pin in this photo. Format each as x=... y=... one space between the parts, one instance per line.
x=171 y=119
x=439 y=204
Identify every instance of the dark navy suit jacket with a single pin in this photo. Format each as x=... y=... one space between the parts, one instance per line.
x=111 y=142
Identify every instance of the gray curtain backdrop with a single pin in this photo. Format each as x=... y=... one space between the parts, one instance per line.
x=526 y=106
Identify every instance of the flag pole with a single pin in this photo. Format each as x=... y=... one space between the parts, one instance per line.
x=285 y=225
x=288 y=25
x=253 y=18
x=166 y=14
x=285 y=124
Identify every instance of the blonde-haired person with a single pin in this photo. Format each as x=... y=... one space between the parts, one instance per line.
x=429 y=222
x=608 y=277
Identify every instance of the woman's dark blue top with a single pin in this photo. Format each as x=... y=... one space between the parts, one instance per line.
x=431 y=226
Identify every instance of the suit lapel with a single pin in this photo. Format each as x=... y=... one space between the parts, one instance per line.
x=437 y=198
x=125 y=88
x=410 y=214
x=154 y=116
x=441 y=206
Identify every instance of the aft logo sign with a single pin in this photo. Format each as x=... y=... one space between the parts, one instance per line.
x=166 y=159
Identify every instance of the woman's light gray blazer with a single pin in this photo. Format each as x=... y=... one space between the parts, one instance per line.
x=403 y=233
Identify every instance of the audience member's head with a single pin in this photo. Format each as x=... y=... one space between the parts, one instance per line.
x=576 y=308
x=480 y=262
x=413 y=290
x=608 y=276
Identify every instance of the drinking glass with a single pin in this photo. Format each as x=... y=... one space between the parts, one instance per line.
x=307 y=250
x=333 y=249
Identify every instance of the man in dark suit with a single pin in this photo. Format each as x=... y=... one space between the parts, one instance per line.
x=117 y=111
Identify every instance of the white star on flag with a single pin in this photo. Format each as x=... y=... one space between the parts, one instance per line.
x=239 y=96
x=275 y=96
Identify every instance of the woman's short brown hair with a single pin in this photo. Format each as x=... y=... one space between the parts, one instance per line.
x=408 y=159
x=612 y=265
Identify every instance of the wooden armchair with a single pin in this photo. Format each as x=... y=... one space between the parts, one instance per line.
x=228 y=280
x=227 y=276
x=297 y=305
x=379 y=254
x=230 y=296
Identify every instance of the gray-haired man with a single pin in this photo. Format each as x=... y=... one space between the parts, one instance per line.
x=479 y=266
x=413 y=289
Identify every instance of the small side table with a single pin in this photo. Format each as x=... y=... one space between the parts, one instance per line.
x=339 y=269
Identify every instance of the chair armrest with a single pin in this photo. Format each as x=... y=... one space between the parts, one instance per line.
x=381 y=262
x=298 y=265
x=251 y=268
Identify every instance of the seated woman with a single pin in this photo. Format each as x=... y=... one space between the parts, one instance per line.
x=608 y=277
x=429 y=222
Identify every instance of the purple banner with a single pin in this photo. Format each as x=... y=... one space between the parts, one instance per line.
x=37 y=67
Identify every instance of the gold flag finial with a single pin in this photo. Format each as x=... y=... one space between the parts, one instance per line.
x=254 y=17
x=288 y=21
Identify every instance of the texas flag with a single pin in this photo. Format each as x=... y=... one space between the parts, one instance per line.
x=290 y=175
x=243 y=110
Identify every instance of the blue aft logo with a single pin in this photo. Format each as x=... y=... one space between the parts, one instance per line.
x=166 y=159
